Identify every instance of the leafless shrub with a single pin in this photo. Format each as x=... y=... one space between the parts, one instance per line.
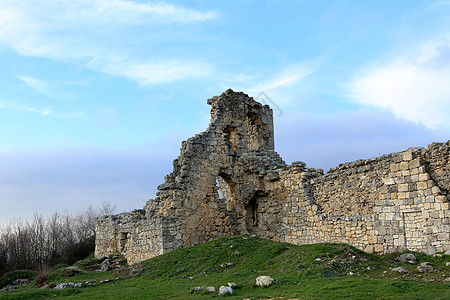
x=42 y=242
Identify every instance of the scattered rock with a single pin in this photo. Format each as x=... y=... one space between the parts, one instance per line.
x=19 y=281
x=437 y=255
x=400 y=270
x=105 y=265
x=232 y=285
x=196 y=289
x=211 y=289
x=60 y=286
x=425 y=267
x=9 y=288
x=105 y=281
x=408 y=257
x=227 y=265
x=134 y=272
x=447 y=252
x=224 y=290
x=264 y=281
x=447 y=263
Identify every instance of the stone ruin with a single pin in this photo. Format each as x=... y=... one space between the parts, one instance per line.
x=229 y=180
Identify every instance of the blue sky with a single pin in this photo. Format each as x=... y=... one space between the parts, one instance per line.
x=97 y=95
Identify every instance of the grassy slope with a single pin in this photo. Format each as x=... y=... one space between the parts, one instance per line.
x=319 y=271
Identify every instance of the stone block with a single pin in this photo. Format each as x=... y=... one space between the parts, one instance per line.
x=424 y=177
x=404 y=166
x=422 y=185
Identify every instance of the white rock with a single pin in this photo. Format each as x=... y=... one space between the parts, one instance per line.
x=211 y=289
x=196 y=289
x=264 y=281
x=232 y=284
x=61 y=286
x=224 y=290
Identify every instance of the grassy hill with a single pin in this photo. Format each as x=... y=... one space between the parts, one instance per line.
x=319 y=271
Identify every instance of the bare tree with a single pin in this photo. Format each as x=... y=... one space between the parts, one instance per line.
x=43 y=242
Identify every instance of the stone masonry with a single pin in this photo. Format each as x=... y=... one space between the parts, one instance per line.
x=229 y=180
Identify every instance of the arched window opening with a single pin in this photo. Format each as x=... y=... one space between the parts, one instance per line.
x=252 y=213
x=219 y=191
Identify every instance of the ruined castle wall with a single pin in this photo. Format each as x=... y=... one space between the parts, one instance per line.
x=131 y=235
x=379 y=205
x=391 y=203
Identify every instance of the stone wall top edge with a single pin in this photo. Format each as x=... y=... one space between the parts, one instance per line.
x=124 y=216
x=299 y=166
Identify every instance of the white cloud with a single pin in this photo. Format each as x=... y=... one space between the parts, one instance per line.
x=78 y=31
x=11 y=105
x=147 y=73
x=414 y=87
x=281 y=87
x=23 y=107
x=36 y=84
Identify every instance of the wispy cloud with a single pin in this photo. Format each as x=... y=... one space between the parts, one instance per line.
x=81 y=31
x=36 y=84
x=148 y=73
x=280 y=86
x=23 y=107
x=414 y=86
x=11 y=105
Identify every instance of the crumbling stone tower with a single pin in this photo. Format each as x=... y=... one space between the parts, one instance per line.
x=234 y=157
x=229 y=180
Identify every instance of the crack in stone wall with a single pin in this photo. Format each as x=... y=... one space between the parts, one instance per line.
x=385 y=204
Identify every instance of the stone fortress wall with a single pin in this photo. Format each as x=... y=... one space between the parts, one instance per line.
x=229 y=180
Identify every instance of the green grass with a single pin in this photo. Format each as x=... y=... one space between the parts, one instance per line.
x=319 y=271
x=11 y=277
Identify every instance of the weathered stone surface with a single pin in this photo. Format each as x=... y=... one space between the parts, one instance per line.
x=229 y=180
x=264 y=281
x=408 y=257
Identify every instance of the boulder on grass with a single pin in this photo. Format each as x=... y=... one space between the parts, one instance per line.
x=408 y=257
x=264 y=281
x=225 y=290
